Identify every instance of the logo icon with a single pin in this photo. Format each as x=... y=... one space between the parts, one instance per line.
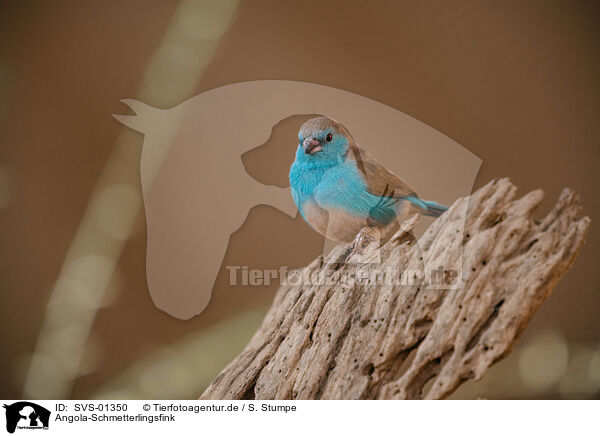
x=26 y=415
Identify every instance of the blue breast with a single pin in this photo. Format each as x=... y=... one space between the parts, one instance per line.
x=305 y=176
x=337 y=186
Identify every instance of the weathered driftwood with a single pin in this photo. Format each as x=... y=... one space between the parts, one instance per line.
x=382 y=341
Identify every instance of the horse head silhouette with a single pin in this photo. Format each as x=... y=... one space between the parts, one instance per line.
x=196 y=191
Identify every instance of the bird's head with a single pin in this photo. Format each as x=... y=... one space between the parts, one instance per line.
x=323 y=139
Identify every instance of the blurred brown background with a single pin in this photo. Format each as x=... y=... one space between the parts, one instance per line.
x=514 y=82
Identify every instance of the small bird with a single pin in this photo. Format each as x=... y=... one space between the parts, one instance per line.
x=343 y=192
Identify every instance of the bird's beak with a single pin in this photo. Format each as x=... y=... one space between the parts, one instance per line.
x=311 y=145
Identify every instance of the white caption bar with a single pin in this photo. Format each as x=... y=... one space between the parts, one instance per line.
x=298 y=417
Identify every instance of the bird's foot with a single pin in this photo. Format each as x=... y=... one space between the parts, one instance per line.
x=363 y=239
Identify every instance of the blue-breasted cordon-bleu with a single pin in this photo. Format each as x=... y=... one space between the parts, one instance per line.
x=343 y=192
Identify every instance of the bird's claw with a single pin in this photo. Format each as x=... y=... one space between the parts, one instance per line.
x=362 y=240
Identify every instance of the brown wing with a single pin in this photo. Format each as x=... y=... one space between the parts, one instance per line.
x=380 y=180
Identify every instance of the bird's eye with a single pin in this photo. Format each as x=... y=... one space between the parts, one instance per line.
x=329 y=137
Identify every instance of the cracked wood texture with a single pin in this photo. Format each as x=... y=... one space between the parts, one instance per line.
x=374 y=340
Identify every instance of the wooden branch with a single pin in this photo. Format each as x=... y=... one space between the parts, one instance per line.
x=344 y=340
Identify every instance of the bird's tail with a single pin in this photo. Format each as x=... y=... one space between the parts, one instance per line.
x=429 y=208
